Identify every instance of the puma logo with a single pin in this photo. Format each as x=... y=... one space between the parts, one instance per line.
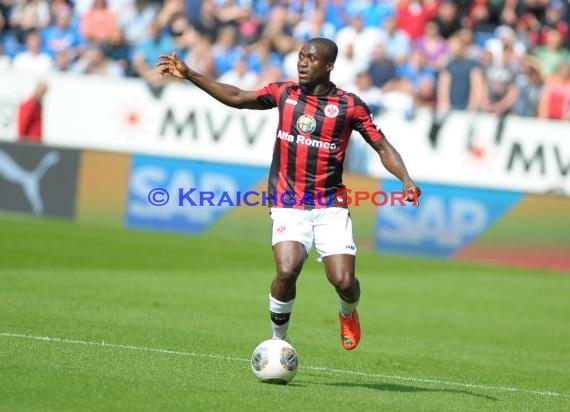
x=28 y=180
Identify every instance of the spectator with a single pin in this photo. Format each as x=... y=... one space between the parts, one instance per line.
x=357 y=34
x=62 y=62
x=239 y=14
x=279 y=30
x=504 y=37
x=28 y=16
x=418 y=79
x=336 y=14
x=376 y=12
x=555 y=100
x=382 y=69
x=529 y=84
x=433 y=46
x=180 y=31
x=346 y=67
x=58 y=7
x=169 y=10
x=317 y=26
x=365 y=89
x=261 y=56
x=93 y=61
x=30 y=116
x=33 y=61
x=501 y=90
x=226 y=51
x=461 y=82
x=199 y=57
x=553 y=19
x=240 y=76
x=552 y=55
x=486 y=15
x=448 y=19
x=97 y=23
x=117 y=49
x=396 y=41
x=146 y=53
x=474 y=51
x=207 y=23
x=136 y=21
x=536 y=7
x=62 y=37
x=413 y=15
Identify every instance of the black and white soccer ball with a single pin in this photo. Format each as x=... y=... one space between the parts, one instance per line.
x=275 y=361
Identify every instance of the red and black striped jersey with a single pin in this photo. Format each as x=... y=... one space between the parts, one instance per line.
x=312 y=136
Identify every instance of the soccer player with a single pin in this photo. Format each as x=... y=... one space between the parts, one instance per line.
x=315 y=123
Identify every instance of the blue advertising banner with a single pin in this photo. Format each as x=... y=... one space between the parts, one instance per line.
x=448 y=219
x=186 y=195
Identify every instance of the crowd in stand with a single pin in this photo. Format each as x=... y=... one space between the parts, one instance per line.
x=497 y=56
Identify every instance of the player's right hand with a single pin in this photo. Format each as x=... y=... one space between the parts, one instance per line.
x=170 y=64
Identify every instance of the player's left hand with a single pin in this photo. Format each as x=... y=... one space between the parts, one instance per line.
x=412 y=192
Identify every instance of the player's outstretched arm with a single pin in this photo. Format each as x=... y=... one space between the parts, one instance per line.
x=393 y=162
x=225 y=93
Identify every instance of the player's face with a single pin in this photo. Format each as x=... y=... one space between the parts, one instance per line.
x=312 y=66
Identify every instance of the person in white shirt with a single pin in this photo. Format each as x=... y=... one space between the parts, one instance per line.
x=33 y=61
x=240 y=76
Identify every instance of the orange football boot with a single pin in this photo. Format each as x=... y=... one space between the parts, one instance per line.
x=349 y=330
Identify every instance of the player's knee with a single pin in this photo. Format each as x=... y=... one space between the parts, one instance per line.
x=344 y=282
x=288 y=270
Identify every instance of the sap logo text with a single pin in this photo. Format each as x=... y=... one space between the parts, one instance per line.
x=448 y=224
x=449 y=219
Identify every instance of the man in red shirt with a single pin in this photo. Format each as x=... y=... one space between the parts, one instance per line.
x=30 y=116
x=315 y=123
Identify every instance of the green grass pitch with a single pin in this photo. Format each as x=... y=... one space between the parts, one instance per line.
x=106 y=319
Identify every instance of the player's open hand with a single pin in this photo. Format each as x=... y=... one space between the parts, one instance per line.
x=170 y=64
x=413 y=192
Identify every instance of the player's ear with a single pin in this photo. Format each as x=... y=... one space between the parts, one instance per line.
x=329 y=67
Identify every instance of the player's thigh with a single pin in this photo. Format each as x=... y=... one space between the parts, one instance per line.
x=332 y=229
x=289 y=257
x=291 y=225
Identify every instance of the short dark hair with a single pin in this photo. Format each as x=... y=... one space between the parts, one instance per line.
x=330 y=48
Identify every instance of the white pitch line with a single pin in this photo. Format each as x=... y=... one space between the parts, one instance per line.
x=315 y=368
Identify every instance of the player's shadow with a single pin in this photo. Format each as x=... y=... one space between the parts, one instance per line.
x=389 y=387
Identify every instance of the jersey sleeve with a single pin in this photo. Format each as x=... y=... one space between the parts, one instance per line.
x=269 y=95
x=363 y=122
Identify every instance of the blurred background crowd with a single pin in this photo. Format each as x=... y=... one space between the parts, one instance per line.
x=496 y=56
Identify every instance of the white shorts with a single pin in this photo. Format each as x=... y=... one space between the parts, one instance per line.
x=329 y=228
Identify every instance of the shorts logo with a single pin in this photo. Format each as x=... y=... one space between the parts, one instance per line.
x=281 y=229
x=351 y=247
x=306 y=124
x=331 y=111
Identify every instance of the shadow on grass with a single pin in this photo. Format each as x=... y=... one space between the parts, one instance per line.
x=389 y=387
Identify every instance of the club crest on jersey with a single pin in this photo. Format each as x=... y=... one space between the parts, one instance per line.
x=331 y=111
x=306 y=124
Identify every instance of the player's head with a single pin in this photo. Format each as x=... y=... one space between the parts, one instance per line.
x=316 y=61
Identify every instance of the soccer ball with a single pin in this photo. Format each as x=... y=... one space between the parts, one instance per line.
x=274 y=361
